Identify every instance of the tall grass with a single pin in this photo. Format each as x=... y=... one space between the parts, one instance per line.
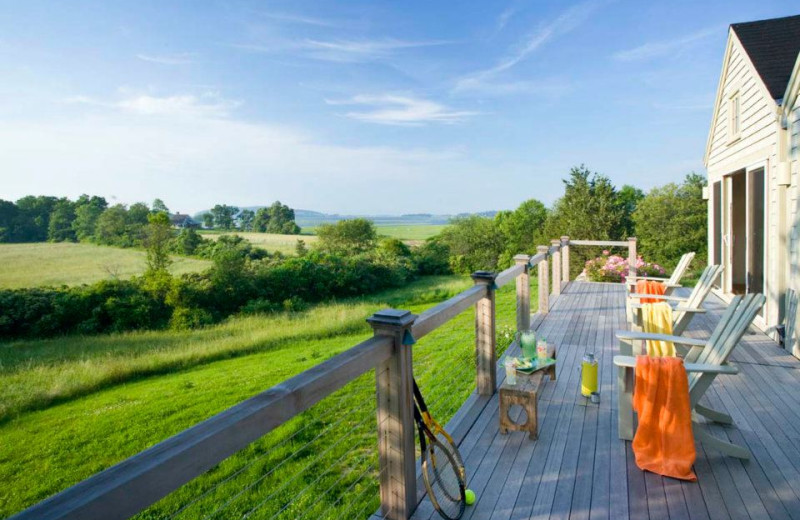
x=319 y=465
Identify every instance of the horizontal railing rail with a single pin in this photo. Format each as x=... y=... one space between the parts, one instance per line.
x=136 y=483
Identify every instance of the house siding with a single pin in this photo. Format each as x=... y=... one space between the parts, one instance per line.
x=756 y=146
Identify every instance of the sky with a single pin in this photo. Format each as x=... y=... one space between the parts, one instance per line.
x=357 y=107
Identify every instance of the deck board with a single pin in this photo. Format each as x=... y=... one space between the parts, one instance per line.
x=579 y=469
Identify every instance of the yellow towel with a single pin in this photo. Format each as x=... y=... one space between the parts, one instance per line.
x=657 y=318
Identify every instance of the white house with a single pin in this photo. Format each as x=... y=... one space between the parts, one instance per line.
x=753 y=164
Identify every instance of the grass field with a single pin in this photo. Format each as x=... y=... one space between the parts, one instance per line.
x=411 y=232
x=74 y=406
x=64 y=263
x=284 y=244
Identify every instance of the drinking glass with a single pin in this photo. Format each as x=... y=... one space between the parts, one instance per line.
x=527 y=343
x=511 y=371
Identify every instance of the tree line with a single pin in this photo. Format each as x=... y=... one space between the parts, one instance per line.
x=93 y=219
x=668 y=221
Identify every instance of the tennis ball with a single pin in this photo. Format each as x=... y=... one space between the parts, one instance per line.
x=470 y=497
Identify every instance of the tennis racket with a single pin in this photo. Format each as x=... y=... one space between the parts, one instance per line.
x=442 y=468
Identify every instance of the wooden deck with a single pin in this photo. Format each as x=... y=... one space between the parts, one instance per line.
x=578 y=468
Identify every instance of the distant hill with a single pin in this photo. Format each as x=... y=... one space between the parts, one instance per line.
x=309 y=218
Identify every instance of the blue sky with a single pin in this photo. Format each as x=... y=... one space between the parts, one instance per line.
x=355 y=107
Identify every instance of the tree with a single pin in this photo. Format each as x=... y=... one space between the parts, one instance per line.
x=223 y=216
x=138 y=214
x=347 y=237
x=475 y=243
x=261 y=220
x=208 y=220
x=160 y=207
x=112 y=226
x=278 y=218
x=87 y=211
x=8 y=215
x=157 y=237
x=246 y=217
x=187 y=241
x=629 y=198
x=60 y=229
x=672 y=220
x=522 y=229
x=33 y=218
x=300 y=248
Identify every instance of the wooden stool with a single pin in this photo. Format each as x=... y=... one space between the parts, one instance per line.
x=525 y=394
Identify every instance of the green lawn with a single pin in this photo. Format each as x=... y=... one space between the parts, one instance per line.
x=284 y=244
x=55 y=264
x=68 y=417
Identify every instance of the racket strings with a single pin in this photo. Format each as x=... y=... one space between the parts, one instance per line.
x=443 y=480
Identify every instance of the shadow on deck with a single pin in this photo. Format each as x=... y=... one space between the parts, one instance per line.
x=578 y=468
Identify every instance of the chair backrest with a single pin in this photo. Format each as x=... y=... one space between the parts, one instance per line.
x=680 y=269
x=790 y=320
x=731 y=327
x=696 y=298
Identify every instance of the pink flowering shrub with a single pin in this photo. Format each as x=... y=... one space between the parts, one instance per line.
x=614 y=268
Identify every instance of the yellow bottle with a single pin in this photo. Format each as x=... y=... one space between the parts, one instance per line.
x=588 y=375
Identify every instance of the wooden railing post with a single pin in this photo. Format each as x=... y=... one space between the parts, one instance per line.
x=565 y=259
x=393 y=379
x=544 y=290
x=556 y=266
x=632 y=256
x=485 y=340
x=523 y=293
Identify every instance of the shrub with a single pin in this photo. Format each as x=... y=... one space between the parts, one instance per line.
x=614 y=268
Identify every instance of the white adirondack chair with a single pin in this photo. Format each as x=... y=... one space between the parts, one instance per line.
x=704 y=360
x=671 y=283
x=686 y=307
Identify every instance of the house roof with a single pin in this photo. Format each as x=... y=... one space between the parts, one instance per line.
x=773 y=46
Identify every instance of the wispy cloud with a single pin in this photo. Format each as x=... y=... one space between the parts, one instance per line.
x=504 y=17
x=208 y=105
x=341 y=50
x=664 y=48
x=182 y=58
x=563 y=24
x=389 y=109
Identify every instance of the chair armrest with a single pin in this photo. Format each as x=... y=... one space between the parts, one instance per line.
x=654 y=278
x=627 y=334
x=659 y=296
x=630 y=362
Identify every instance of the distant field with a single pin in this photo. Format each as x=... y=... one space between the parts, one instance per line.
x=282 y=243
x=63 y=263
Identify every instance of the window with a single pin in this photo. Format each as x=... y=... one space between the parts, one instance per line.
x=735 y=117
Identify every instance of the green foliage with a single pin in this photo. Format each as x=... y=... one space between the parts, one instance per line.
x=475 y=243
x=671 y=220
x=432 y=257
x=277 y=219
x=87 y=212
x=208 y=220
x=59 y=229
x=157 y=241
x=394 y=247
x=245 y=218
x=160 y=207
x=300 y=249
x=522 y=229
x=223 y=216
x=629 y=197
x=187 y=242
x=32 y=219
x=347 y=237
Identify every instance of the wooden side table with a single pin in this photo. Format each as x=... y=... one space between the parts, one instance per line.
x=525 y=394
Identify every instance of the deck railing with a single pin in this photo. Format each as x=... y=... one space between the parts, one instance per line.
x=135 y=484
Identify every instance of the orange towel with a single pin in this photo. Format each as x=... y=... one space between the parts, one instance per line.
x=663 y=442
x=650 y=287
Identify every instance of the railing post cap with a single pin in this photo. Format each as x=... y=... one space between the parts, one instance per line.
x=391 y=318
x=555 y=241
x=483 y=276
x=565 y=238
x=522 y=259
x=542 y=249
x=631 y=239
